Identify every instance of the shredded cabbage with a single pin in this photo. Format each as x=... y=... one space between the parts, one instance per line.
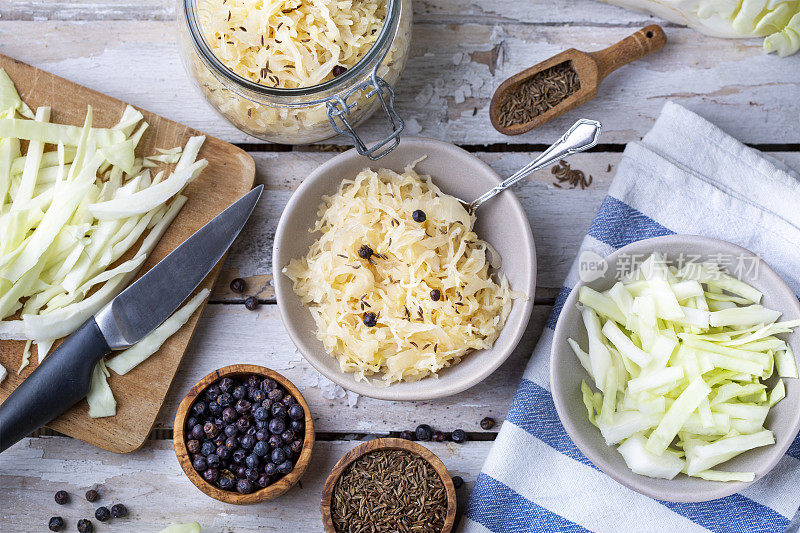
x=777 y=20
x=191 y=527
x=416 y=334
x=681 y=381
x=290 y=43
x=70 y=221
x=100 y=398
x=303 y=42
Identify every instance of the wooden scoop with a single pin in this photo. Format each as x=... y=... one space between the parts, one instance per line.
x=591 y=67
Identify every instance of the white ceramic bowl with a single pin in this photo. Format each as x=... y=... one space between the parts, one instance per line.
x=566 y=375
x=501 y=222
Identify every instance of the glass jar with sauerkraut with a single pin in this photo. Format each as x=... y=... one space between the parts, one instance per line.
x=299 y=71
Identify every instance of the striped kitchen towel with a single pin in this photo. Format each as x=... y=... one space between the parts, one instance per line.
x=685 y=176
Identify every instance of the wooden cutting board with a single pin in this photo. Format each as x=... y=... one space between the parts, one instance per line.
x=229 y=175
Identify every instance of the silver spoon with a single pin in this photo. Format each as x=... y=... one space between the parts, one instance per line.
x=581 y=136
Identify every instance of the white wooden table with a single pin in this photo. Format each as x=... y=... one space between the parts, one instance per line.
x=462 y=50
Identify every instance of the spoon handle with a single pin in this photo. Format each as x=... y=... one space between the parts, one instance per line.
x=644 y=42
x=581 y=136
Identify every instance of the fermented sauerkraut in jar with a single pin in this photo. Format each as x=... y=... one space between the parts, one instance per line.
x=275 y=68
x=290 y=43
x=398 y=283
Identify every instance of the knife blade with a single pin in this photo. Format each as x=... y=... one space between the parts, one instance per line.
x=63 y=378
x=148 y=302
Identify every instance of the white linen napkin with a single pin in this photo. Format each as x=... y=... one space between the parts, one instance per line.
x=685 y=176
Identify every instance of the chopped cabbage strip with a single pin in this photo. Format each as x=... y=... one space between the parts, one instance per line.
x=56 y=133
x=3 y=373
x=43 y=347
x=100 y=398
x=127 y=360
x=602 y=304
x=686 y=393
x=191 y=527
x=416 y=335
x=10 y=100
x=705 y=456
x=644 y=462
x=26 y=357
x=676 y=416
x=786 y=364
x=777 y=393
x=13 y=330
x=59 y=264
x=148 y=199
x=719 y=475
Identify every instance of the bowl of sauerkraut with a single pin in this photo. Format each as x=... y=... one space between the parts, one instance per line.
x=389 y=287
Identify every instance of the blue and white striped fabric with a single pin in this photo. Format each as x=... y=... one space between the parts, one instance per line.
x=685 y=176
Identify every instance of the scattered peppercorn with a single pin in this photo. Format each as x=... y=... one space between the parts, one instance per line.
x=251 y=303
x=55 y=524
x=370 y=320
x=438 y=436
x=487 y=423
x=365 y=252
x=459 y=436
x=419 y=215
x=458 y=481
x=102 y=514
x=237 y=285
x=338 y=70
x=407 y=435
x=92 y=495
x=424 y=432
x=118 y=510
x=436 y=294
x=62 y=497
x=85 y=526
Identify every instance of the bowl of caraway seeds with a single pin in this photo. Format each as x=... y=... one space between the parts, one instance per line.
x=389 y=485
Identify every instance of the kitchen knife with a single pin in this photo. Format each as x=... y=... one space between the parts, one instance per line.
x=63 y=378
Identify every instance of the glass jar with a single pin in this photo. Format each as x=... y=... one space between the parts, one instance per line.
x=308 y=114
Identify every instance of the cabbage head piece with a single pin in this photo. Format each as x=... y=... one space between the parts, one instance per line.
x=778 y=21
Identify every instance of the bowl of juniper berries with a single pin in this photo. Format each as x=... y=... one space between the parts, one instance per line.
x=244 y=434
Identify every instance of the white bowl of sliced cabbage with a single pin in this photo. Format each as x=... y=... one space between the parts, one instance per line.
x=674 y=372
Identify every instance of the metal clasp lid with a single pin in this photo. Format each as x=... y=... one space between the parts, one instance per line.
x=338 y=107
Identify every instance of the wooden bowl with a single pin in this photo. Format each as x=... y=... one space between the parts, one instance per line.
x=388 y=444
x=261 y=495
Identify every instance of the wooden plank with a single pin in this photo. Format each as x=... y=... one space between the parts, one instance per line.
x=33 y=470
x=559 y=217
x=451 y=75
x=484 y=11
x=88 y=10
x=229 y=175
x=229 y=334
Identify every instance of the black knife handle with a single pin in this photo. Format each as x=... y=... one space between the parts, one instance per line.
x=59 y=382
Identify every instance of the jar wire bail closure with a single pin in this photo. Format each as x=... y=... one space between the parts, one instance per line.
x=338 y=108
